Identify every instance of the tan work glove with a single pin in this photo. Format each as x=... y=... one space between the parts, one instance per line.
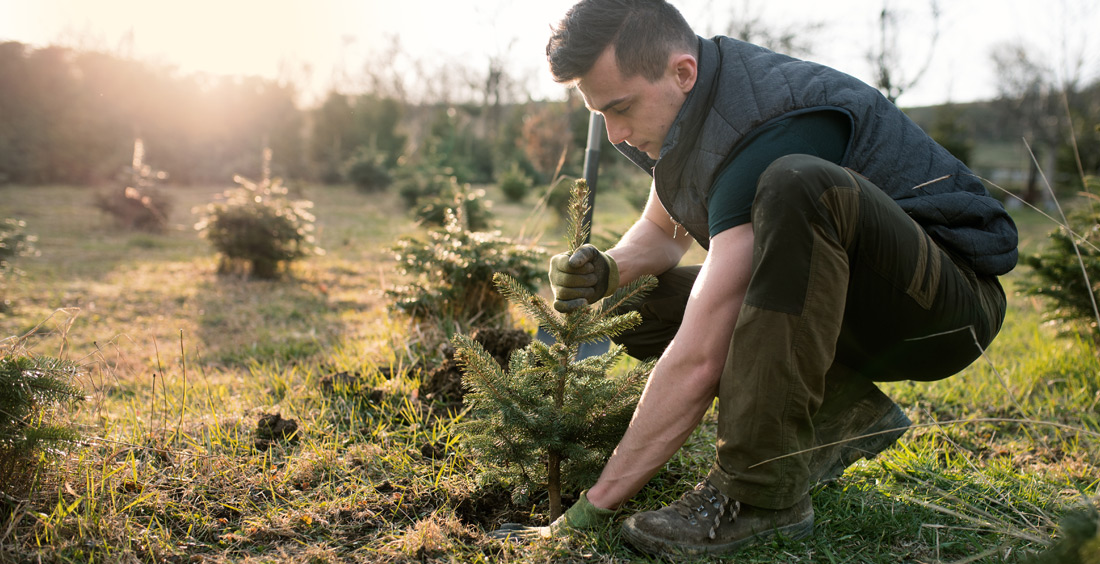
x=581 y=516
x=585 y=277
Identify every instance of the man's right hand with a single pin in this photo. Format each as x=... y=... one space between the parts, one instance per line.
x=581 y=516
x=584 y=277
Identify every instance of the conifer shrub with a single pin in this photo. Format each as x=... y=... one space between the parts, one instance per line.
x=416 y=182
x=14 y=242
x=1070 y=286
x=472 y=201
x=138 y=205
x=367 y=170
x=550 y=420
x=515 y=184
x=430 y=190
x=256 y=228
x=31 y=388
x=1078 y=541
x=450 y=274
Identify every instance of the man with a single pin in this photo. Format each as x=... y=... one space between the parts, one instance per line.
x=844 y=247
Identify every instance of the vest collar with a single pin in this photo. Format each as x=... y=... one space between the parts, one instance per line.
x=693 y=112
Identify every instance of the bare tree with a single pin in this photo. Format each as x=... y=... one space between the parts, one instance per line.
x=747 y=24
x=385 y=73
x=1029 y=97
x=886 y=56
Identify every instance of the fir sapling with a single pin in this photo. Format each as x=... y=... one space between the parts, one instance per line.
x=450 y=273
x=552 y=418
x=30 y=388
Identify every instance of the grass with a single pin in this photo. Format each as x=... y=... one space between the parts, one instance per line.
x=181 y=365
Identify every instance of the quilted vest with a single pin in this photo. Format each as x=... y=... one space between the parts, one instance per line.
x=742 y=87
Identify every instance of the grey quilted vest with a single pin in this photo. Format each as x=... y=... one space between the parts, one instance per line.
x=742 y=87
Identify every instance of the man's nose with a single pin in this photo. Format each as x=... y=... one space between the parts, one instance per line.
x=617 y=132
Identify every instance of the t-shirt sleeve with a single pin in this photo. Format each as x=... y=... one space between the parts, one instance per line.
x=822 y=133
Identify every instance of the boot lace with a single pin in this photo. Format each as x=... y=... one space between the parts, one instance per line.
x=708 y=505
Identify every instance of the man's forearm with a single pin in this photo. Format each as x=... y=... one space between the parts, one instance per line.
x=685 y=381
x=669 y=410
x=647 y=249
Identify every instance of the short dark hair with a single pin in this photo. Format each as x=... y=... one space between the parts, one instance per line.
x=644 y=33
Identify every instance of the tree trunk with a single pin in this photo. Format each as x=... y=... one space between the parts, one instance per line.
x=1031 y=189
x=553 y=470
x=553 y=479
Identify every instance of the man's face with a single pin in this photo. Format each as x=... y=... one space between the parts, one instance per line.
x=636 y=110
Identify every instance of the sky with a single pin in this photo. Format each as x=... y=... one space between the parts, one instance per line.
x=324 y=43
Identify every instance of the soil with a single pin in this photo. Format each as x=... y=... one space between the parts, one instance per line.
x=272 y=428
x=491 y=507
x=443 y=385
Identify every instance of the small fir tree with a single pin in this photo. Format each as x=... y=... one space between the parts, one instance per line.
x=14 y=242
x=1066 y=273
x=368 y=171
x=139 y=204
x=450 y=275
x=475 y=207
x=1078 y=539
x=29 y=389
x=552 y=418
x=258 y=228
x=515 y=184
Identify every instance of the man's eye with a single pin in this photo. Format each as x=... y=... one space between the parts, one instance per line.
x=622 y=111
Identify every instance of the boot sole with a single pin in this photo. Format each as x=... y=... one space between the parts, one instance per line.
x=650 y=545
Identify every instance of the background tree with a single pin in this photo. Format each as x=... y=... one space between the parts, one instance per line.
x=344 y=125
x=885 y=56
x=449 y=274
x=1079 y=156
x=748 y=24
x=68 y=117
x=1030 y=101
x=952 y=132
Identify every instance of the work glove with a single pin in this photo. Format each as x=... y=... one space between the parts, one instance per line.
x=581 y=516
x=585 y=277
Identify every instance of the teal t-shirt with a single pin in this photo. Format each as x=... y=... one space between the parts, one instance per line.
x=822 y=133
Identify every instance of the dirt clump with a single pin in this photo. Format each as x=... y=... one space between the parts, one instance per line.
x=272 y=428
x=490 y=507
x=444 y=383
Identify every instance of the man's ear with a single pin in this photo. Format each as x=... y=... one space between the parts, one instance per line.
x=686 y=69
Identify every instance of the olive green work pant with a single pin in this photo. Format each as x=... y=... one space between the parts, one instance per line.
x=846 y=289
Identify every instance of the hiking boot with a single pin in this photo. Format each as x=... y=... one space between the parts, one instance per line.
x=706 y=521
x=871 y=425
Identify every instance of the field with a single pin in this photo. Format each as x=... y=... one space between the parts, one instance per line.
x=182 y=365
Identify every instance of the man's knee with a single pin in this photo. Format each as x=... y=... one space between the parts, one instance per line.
x=795 y=182
x=794 y=172
x=797 y=165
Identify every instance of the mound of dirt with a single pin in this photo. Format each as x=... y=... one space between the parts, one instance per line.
x=489 y=507
x=272 y=428
x=444 y=383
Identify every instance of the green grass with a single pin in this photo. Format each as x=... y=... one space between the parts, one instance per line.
x=181 y=364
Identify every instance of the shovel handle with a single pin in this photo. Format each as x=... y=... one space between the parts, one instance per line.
x=592 y=165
